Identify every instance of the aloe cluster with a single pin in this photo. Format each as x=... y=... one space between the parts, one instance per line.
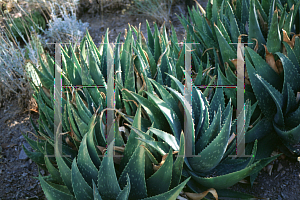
x=272 y=61
x=150 y=103
x=86 y=175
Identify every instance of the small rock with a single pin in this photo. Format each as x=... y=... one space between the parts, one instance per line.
x=27 y=145
x=284 y=196
x=24 y=174
x=279 y=167
x=22 y=155
x=279 y=197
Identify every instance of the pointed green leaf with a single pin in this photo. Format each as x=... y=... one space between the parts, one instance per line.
x=53 y=191
x=107 y=180
x=135 y=169
x=82 y=190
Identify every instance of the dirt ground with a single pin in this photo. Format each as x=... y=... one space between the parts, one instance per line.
x=17 y=170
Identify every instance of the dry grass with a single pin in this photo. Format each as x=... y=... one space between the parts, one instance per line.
x=15 y=70
x=159 y=10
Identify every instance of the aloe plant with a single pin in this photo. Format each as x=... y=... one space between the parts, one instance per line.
x=84 y=174
x=212 y=127
x=274 y=54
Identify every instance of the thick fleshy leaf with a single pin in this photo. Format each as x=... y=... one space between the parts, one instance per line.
x=150 y=37
x=291 y=136
x=160 y=147
x=263 y=69
x=96 y=192
x=85 y=163
x=225 y=181
x=153 y=112
x=132 y=143
x=226 y=50
x=124 y=194
x=213 y=153
x=234 y=30
x=260 y=130
x=108 y=185
x=163 y=175
x=64 y=168
x=189 y=120
x=254 y=28
x=168 y=138
x=274 y=37
x=172 y=194
x=213 y=130
x=90 y=142
x=82 y=190
x=170 y=115
x=265 y=101
x=291 y=54
x=217 y=101
x=135 y=169
x=53 y=171
x=277 y=98
x=53 y=191
x=36 y=156
x=289 y=99
x=167 y=97
x=178 y=164
x=291 y=74
x=293 y=118
x=297 y=49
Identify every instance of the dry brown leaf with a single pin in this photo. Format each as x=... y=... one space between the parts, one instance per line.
x=144 y=86
x=269 y=169
x=287 y=39
x=156 y=167
x=207 y=50
x=294 y=38
x=200 y=7
x=279 y=66
x=9 y=6
x=208 y=21
x=102 y=149
x=256 y=45
x=138 y=79
x=160 y=57
x=5 y=145
x=125 y=35
x=70 y=143
x=162 y=28
x=270 y=60
x=103 y=95
x=38 y=137
x=179 y=52
x=198 y=196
